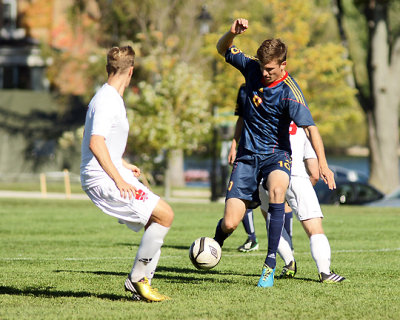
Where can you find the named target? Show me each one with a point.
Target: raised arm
(225, 42)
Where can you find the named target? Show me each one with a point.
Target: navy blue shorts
(248, 170)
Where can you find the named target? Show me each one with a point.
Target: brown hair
(272, 49)
(120, 59)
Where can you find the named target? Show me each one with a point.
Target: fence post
(43, 187)
(67, 184)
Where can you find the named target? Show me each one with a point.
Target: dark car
(352, 188)
(391, 200)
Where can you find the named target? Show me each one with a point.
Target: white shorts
(300, 196)
(135, 212)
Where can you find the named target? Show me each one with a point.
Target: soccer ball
(205, 253)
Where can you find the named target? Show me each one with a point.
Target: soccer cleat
(330, 278)
(129, 287)
(142, 290)
(288, 271)
(267, 277)
(249, 245)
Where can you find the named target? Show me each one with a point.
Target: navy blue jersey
(267, 110)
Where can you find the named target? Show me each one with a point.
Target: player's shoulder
(292, 91)
(233, 50)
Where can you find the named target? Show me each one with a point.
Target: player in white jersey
(303, 200)
(111, 182)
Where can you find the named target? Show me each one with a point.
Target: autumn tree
(371, 31)
(316, 58)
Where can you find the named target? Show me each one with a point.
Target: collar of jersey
(273, 84)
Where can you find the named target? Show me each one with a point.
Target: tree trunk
(176, 169)
(383, 121)
(381, 102)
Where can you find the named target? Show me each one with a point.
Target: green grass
(65, 259)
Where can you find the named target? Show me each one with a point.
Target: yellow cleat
(144, 289)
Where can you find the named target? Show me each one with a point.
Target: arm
(225, 42)
(324, 171)
(99, 149)
(312, 168)
(235, 141)
(135, 170)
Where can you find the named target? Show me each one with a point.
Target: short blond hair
(120, 59)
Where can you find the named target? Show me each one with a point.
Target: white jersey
(301, 150)
(106, 117)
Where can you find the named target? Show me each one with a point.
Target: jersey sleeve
(297, 105)
(102, 118)
(238, 59)
(240, 101)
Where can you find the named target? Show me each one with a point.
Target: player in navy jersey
(273, 100)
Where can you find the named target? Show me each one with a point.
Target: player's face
(273, 71)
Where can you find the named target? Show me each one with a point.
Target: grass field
(65, 259)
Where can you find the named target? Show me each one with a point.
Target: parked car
(390, 200)
(352, 188)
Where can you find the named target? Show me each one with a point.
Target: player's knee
(162, 214)
(277, 194)
(229, 226)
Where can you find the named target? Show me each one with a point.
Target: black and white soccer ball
(205, 253)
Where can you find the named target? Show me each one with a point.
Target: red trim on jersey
(297, 102)
(273, 84)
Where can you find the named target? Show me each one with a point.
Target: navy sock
(220, 236)
(248, 224)
(277, 212)
(289, 225)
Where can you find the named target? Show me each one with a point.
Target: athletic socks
(220, 236)
(321, 252)
(152, 240)
(276, 221)
(284, 248)
(248, 223)
(151, 267)
(288, 226)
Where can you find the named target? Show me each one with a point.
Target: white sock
(321, 252)
(151, 267)
(284, 248)
(152, 240)
(285, 245)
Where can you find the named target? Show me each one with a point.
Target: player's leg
(276, 184)
(304, 202)
(233, 215)
(251, 243)
(320, 250)
(284, 251)
(288, 226)
(241, 191)
(149, 249)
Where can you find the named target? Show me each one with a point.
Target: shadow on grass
(185, 275)
(48, 293)
(165, 246)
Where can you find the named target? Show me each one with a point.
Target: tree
(376, 56)
(170, 114)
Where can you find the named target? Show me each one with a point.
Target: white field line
(179, 256)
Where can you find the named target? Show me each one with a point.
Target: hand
(126, 189)
(328, 176)
(232, 156)
(239, 26)
(135, 170)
